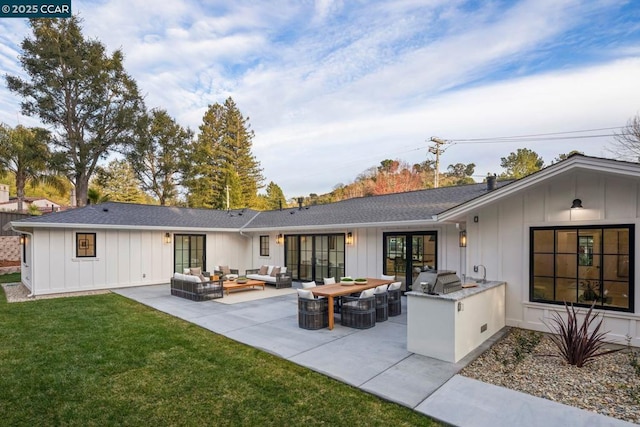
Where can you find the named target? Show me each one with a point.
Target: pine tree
(275, 197)
(220, 161)
(118, 183)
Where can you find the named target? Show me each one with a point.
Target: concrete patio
(375, 360)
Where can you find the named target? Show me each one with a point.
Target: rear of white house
(526, 233)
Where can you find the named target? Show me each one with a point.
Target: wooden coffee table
(229, 285)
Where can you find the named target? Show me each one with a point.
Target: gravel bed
(17, 292)
(608, 385)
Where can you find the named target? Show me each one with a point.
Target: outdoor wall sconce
(576, 204)
(167, 238)
(463, 238)
(22, 239)
(279, 239)
(349, 238)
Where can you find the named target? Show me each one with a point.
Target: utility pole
(437, 151)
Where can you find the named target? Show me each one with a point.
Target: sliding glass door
(405, 254)
(315, 256)
(189, 251)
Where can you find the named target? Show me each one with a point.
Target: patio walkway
(375, 360)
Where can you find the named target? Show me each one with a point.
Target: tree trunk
(82, 190)
(20, 184)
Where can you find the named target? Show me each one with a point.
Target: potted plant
(360, 281)
(347, 281)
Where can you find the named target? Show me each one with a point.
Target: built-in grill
(437, 282)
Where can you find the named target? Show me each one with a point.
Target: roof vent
(300, 200)
(491, 182)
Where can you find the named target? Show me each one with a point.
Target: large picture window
(583, 265)
(85, 245)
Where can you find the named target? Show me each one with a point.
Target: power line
(536, 135)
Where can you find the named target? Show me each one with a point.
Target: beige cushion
(263, 269)
(380, 289)
(196, 271)
(303, 293)
(203, 278)
(367, 293)
(395, 286)
(275, 271)
(329, 280)
(225, 269)
(307, 285)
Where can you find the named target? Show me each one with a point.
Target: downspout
(33, 281)
(248, 237)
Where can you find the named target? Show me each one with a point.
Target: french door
(405, 254)
(189, 251)
(314, 256)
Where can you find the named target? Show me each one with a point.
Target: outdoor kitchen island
(449, 326)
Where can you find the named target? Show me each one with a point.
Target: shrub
(576, 344)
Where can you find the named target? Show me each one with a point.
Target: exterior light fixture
(22, 239)
(167, 238)
(576, 204)
(279, 239)
(463, 238)
(349, 238)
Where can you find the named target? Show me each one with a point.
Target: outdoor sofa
(271, 274)
(194, 288)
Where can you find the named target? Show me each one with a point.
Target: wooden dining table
(338, 290)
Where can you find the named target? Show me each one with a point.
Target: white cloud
(334, 87)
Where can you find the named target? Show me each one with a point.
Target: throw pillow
(367, 293)
(196, 271)
(203, 278)
(308, 285)
(186, 271)
(225, 269)
(275, 271)
(263, 270)
(303, 293)
(283, 270)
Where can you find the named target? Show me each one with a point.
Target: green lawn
(105, 360)
(10, 278)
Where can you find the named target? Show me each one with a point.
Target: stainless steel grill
(437, 282)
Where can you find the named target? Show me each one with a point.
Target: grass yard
(106, 360)
(10, 278)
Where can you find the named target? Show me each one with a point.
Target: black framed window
(264, 245)
(583, 265)
(189, 251)
(85, 245)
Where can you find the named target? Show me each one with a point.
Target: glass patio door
(315, 256)
(189, 251)
(405, 254)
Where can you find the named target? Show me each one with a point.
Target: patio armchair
(224, 272)
(382, 303)
(313, 313)
(394, 294)
(359, 312)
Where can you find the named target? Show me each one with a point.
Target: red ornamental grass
(576, 344)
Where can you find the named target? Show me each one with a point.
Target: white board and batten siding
(500, 239)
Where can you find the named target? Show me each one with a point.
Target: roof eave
(576, 162)
(25, 225)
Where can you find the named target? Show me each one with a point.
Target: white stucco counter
(450, 326)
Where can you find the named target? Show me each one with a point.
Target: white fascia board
(341, 226)
(575, 163)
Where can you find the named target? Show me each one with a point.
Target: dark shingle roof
(399, 207)
(128, 214)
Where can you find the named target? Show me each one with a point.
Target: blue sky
(334, 87)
